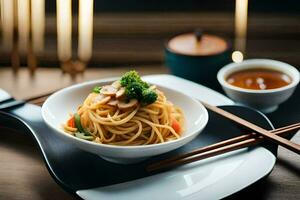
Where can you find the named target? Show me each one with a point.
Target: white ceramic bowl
(56, 108)
(263, 100)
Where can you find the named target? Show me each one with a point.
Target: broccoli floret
(149, 96)
(134, 90)
(129, 77)
(132, 77)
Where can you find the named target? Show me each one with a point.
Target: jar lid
(197, 44)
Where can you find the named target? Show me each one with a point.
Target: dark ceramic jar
(197, 57)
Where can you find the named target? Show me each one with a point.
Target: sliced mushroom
(126, 105)
(116, 84)
(101, 99)
(108, 90)
(113, 102)
(120, 93)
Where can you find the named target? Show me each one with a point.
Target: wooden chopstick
(39, 101)
(218, 148)
(267, 134)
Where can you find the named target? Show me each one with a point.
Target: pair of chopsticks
(265, 133)
(222, 147)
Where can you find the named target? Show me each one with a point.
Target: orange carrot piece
(176, 126)
(71, 122)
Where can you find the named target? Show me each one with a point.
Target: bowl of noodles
(124, 120)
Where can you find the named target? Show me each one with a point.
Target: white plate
(214, 178)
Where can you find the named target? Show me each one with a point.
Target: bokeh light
(237, 56)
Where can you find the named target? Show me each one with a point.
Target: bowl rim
(133, 147)
(252, 63)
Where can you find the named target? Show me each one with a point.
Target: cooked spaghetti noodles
(109, 117)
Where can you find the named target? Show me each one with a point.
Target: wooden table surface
(23, 174)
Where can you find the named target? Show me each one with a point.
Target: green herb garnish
(97, 89)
